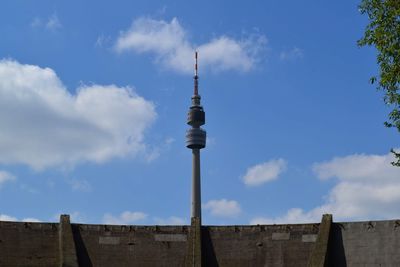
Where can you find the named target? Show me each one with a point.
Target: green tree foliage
(383, 32)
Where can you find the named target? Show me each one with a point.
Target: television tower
(196, 140)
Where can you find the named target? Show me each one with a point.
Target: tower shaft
(196, 187)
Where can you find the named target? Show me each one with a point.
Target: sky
(94, 97)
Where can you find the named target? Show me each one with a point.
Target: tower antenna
(196, 76)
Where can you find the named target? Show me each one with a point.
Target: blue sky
(94, 96)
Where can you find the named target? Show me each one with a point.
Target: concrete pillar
(319, 256)
(68, 256)
(196, 189)
(194, 254)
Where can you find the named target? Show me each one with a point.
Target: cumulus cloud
(169, 42)
(126, 217)
(223, 208)
(6, 177)
(44, 125)
(137, 217)
(4, 217)
(264, 172)
(173, 220)
(368, 187)
(31, 220)
(294, 215)
(359, 167)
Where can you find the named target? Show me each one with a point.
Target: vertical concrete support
(68, 257)
(193, 258)
(196, 189)
(319, 256)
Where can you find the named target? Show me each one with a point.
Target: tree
(383, 32)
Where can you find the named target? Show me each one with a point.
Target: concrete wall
(350, 244)
(277, 245)
(375, 243)
(271, 245)
(38, 244)
(28, 244)
(104, 245)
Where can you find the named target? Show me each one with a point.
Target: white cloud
(173, 220)
(6, 177)
(129, 217)
(44, 125)
(359, 167)
(294, 215)
(126, 217)
(292, 54)
(264, 172)
(169, 42)
(368, 188)
(4, 217)
(30, 220)
(223, 208)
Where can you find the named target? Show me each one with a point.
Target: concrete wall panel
(375, 243)
(29, 244)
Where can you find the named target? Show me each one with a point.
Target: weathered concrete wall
(104, 245)
(375, 243)
(265, 245)
(277, 245)
(37, 244)
(29, 244)
(48, 244)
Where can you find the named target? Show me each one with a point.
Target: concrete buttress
(68, 256)
(319, 255)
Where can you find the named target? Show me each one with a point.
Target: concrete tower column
(196, 187)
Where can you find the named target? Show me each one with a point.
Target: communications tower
(196, 140)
